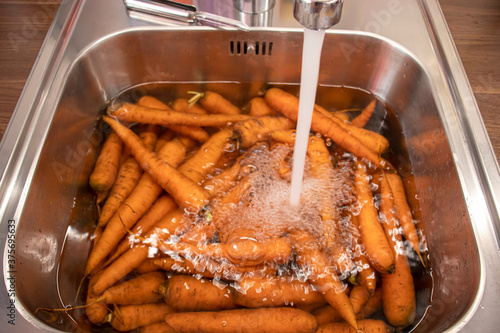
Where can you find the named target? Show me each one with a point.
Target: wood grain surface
(474, 25)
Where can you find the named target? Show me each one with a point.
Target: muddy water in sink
(272, 159)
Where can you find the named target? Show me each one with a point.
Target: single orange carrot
(366, 275)
(95, 310)
(258, 107)
(182, 104)
(266, 320)
(377, 247)
(362, 119)
(139, 114)
(214, 102)
(256, 292)
(185, 293)
(104, 174)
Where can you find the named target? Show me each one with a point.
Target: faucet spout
(317, 14)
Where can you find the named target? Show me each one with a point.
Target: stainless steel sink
(400, 52)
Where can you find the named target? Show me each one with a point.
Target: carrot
(373, 305)
(257, 129)
(130, 317)
(127, 177)
(259, 108)
(182, 104)
(186, 193)
(222, 182)
(366, 274)
(365, 326)
(321, 276)
(104, 174)
(157, 328)
(288, 105)
(201, 164)
(404, 212)
(283, 136)
(267, 320)
(95, 310)
(136, 205)
(185, 293)
(147, 266)
(362, 119)
(243, 253)
(398, 290)
(141, 289)
(372, 233)
(254, 292)
(359, 298)
(214, 102)
(139, 114)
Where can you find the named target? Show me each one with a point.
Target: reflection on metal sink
(55, 154)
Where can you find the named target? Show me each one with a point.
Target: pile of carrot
(172, 252)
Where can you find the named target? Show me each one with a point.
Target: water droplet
(224, 323)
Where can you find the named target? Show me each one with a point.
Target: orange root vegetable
(147, 266)
(258, 107)
(359, 298)
(288, 105)
(267, 320)
(404, 212)
(214, 103)
(157, 328)
(373, 305)
(130, 317)
(126, 179)
(139, 114)
(243, 252)
(104, 174)
(95, 310)
(182, 104)
(365, 326)
(139, 290)
(254, 130)
(398, 290)
(222, 182)
(326, 314)
(136, 205)
(201, 164)
(283, 136)
(362, 119)
(185, 192)
(366, 276)
(193, 132)
(377, 247)
(275, 292)
(185, 293)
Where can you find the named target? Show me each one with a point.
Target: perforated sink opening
(264, 48)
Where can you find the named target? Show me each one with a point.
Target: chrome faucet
(317, 14)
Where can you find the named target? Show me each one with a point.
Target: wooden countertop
(475, 27)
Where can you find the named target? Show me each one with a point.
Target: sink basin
(49, 148)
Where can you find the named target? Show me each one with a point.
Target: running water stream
(311, 56)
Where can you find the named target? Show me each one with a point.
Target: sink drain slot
(250, 47)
